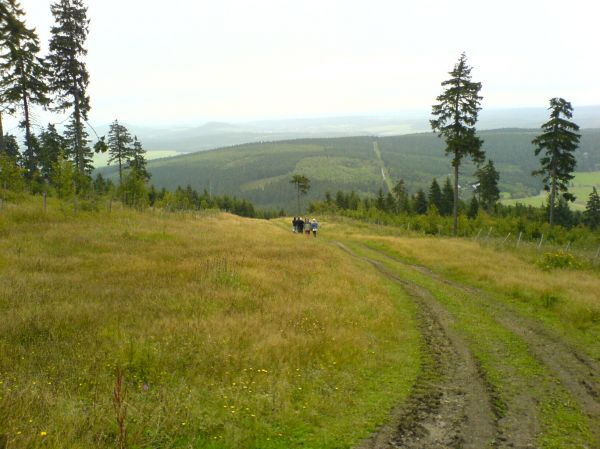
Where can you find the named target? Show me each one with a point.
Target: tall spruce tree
(302, 184)
(138, 160)
(558, 142)
(435, 195)
(23, 74)
(455, 119)
(592, 210)
(488, 190)
(119, 141)
(69, 78)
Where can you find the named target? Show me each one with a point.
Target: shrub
(559, 259)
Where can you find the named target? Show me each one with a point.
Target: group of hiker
(304, 225)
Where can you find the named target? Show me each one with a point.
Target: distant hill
(187, 139)
(261, 172)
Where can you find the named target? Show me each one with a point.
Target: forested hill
(261, 172)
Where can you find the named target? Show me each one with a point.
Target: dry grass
(567, 299)
(231, 333)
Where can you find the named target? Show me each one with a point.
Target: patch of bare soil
(450, 406)
(578, 373)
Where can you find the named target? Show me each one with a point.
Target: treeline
(431, 213)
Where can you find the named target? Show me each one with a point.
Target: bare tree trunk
(552, 198)
(2, 149)
(455, 206)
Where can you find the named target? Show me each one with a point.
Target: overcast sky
(164, 62)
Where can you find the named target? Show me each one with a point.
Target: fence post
(568, 247)
(597, 254)
(44, 200)
(519, 239)
(478, 234)
(541, 241)
(506, 238)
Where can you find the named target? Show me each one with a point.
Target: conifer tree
(69, 76)
(302, 184)
(380, 201)
(401, 196)
(558, 142)
(23, 74)
(435, 195)
(473, 208)
(455, 119)
(488, 190)
(52, 144)
(592, 210)
(420, 202)
(138, 160)
(119, 141)
(447, 205)
(11, 147)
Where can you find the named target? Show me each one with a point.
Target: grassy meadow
(229, 333)
(581, 187)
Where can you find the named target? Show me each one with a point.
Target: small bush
(561, 260)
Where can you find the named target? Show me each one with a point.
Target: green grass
(581, 187)
(226, 340)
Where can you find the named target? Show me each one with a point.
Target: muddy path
(577, 372)
(450, 405)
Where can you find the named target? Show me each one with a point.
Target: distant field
(581, 187)
(101, 160)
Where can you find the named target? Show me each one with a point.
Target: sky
(182, 61)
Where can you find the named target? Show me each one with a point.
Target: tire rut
(577, 372)
(450, 405)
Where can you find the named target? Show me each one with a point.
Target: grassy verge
(230, 333)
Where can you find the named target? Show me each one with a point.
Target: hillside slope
(261, 172)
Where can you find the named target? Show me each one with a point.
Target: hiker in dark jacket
(300, 225)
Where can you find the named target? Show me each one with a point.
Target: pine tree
(456, 116)
(473, 208)
(23, 74)
(380, 201)
(558, 142)
(11, 147)
(69, 76)
(119, 141)
(420, 202)
(138, 160)
(447, 204)
(401, 196)
(52, 144)
(435, 195)
(488, 190)
(592, 210)
(302, 184)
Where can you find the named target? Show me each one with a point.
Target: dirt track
(452, 405)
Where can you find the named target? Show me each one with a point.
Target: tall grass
(227, 332)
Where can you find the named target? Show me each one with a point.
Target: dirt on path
(578, 373)
(450, 406)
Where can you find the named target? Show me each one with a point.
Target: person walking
(300, 225)
(314, 224)
(307, 227)
(295, 224)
